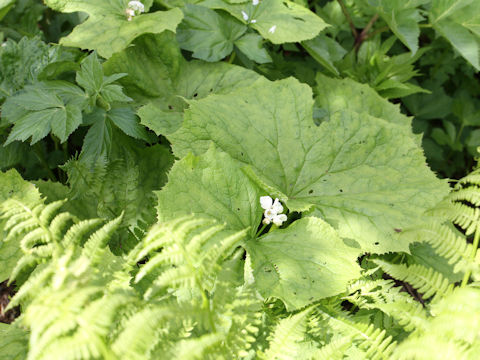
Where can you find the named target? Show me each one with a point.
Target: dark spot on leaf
(294, 293)
(211, 90)
(170, 107)
(397, 230)
(313, 281)
(238, 209)
(311, 298)
(195, 95)
(241, 154)
(299, 19)
(310, 192)
(377, 243)
(341, 190)
(304, 277)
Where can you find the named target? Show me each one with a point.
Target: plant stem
(364, 34)
(232, 57)
(261, 230)
(349, 19)
(376, 32)
(472, 255)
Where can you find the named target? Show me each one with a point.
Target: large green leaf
(13, 342)
(13, 187)
(459, 22)
(175, 79)
(211, 185)
(366, 176)
(276, 20)
(303, 263)
(210, 35)
(107, 29)
(337, 95)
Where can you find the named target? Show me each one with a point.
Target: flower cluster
(273, 211)
(134, 8)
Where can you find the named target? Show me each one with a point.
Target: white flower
(272, 29)
(253, 21)
(136, 6)
(272, 211)
(245, 15)
(255, 2)
(130, 14)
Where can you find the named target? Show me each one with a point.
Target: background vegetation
(137, 144)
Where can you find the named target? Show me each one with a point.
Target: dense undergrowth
(225, 179)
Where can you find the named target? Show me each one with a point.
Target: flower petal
(279, 219)
(267, 221)
(277, 207)
(266, 202)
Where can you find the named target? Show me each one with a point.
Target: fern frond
(283, 344)
(238, 311)
(37, 227)
(332, 351)
(98, 241)
(142, 332)
(184, 251)
(375, 342)
(196, 349)
(431, 348)
(426, 280)
(31, 287)
(384, 295)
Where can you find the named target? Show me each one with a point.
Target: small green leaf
(90, 76)
(210, 35)
(326, 51)
(98, 86)
(457, 21)
(402, 18)
(251, 45)
(36, 112)
(126, 120)
(306, 262)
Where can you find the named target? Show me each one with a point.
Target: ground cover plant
(229, 179)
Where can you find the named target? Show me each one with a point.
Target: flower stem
(261, 230)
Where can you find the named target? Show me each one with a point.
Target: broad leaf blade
(364, 175)
(306, 262)
(208, 34)
(211, 185)
(276, 20)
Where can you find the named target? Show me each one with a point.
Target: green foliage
(239, 179)
(108, 29)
